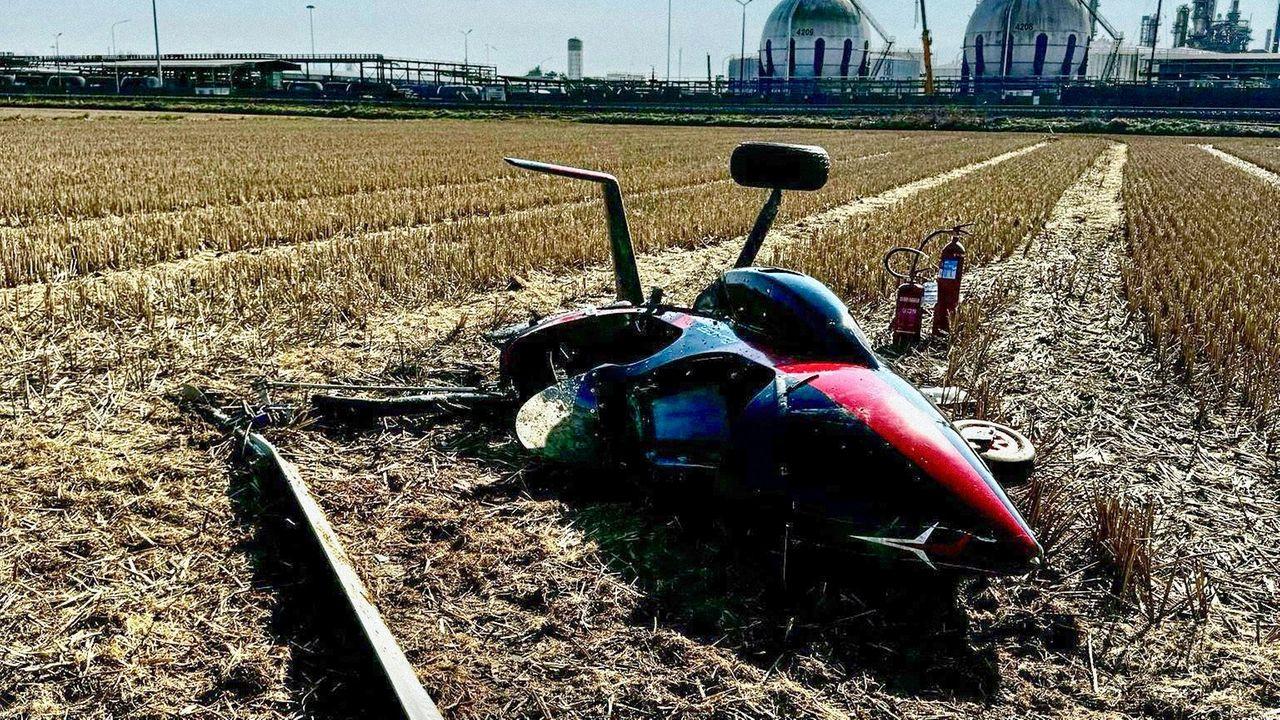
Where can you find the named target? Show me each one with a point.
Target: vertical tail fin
(625, 271)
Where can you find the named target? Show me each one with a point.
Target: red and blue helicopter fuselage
(768, 385)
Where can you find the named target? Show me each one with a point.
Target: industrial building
(1012, 39)
(1142, 63)
(809, 51)
(574, 67)
(1199, 26)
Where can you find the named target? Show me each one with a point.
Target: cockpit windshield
(789, 311)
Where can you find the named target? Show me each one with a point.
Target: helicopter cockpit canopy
(790, 312)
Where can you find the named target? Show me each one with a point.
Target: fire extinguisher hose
(915, 262)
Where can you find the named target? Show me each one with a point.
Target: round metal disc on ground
(1008, 453)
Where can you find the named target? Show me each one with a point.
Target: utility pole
(466, 46)
(115, 51)
(742, 52)
(1275, 38)
(155, 25)
(927, 39)
(311, 18)
(1155, 40)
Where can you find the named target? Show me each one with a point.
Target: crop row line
(313, 285)
(28, 258)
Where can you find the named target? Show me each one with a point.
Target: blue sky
(621, 35)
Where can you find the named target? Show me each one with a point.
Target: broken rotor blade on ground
(414, 701)
(362, 408)
(340, 387)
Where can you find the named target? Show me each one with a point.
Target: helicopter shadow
(726, 573)
(738, 576)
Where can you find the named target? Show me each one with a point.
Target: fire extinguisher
(950, 275)
(908, 314)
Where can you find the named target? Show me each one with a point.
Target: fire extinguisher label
(930, 294)
(950, 269)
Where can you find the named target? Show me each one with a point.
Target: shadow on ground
(718, 572)
(331, 673)
(731, 575)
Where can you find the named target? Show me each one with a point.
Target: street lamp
(742, 53)
(311, 18)
(487, 58)
(115, 51)
(57, 57)
(466, 46)
(114, 25)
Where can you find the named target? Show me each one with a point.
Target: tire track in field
(1076, 365)
(209, 258)
(1257, 171)
(108, 224)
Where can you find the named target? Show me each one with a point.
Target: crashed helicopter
(766, 386)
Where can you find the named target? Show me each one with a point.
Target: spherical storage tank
(1026, 39)
(815, 38)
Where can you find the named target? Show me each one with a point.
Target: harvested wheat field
(1119, 309)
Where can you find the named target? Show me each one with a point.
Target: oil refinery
(828, 52)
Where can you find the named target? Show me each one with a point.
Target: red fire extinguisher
(908, 315)
(950, 275)
(907, 318)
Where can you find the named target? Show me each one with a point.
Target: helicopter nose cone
(1018, 557)
(1013, 550)
(958, 494)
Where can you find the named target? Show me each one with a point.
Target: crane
(874, 23)
(1117, 37)
(927, 41)
(1097, 17)
(884, 35)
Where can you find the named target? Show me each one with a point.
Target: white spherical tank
(1026, 39)
(815, 39)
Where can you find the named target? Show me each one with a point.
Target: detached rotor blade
(366, 408)
(594, 176)
(413, 701)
